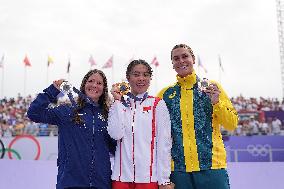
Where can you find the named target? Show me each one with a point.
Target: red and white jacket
(143, 152)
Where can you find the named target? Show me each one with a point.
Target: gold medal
(124, 88)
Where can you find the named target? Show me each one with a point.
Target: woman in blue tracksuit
(83, 141)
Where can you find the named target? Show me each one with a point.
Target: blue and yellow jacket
(195, 123)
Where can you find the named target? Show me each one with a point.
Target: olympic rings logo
(259, 150)
(10, 150)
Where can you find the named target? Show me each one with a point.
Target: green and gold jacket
(195, 125)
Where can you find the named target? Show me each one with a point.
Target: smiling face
(94, 87)
(183, 61)
(139, 79)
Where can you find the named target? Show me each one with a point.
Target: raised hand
(116, 92)
(57, 83)
(213, 91)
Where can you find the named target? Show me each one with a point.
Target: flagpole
(156, 90)
(69, 63)
(112, 75)
(2, 79)
(198, 72)
(25, 78)
(156, 64)
(198, 65)
(219, 58)
(90, 63)
(47, 75)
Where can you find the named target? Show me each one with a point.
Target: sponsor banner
(239, 148)
(27, 147)
(254, 148)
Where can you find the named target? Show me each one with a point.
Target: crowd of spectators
(257, 104)
(252, 126)
(13, 120)
(255, 124)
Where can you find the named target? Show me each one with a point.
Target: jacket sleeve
(111, 144)
(39, 111)
(116, 121)
(164, 143)
(224, 112)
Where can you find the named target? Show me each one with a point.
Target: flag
(220, 64)
(108, 64)
(199, 64)
(155, 62)
(92, 61)
(2, 62)
(49, 61)
(27, 61)
(68, 66)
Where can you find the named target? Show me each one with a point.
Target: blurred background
(240, 44)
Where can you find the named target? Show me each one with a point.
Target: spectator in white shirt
(276, 126)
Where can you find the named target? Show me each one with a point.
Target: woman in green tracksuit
(197, 113)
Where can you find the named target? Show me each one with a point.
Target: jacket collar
(187, 81)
